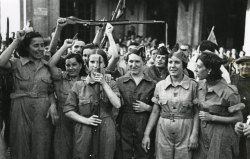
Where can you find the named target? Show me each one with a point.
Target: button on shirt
(176, 99)
(218, 98)
(130, 92)
(83, 98)
(30, 80)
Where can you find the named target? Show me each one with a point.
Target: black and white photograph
(124, 79)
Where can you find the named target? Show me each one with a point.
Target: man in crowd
(159, 70)
(242, 81)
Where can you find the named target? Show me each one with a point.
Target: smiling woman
(175, 110)
(32, 97)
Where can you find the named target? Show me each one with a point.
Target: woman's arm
(93, 120)
(113, 51)
(61, 22)
(113, 98)
(6, 55)
(236, 117)
(56, 57)
(152, 119)
(151, 123)
(52, 112)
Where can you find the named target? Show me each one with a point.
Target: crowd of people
(135, 99)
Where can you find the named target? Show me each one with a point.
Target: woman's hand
(109, 29)
(205, 116)
(98, 77)
(20, 35)
(94, 120)
(139, 106)
(239, 126)
(52, 112)
(146, 143)
(246, 130)
(68, 43)
(61, 22)
(193, 142)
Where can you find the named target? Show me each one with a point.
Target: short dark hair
(139, 50)
(213, 62)
(164, 51)
(24, 44)
(79, 60)
(208, 45)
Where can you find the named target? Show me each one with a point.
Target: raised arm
(61, 22)
(6, 55)
(113, 51)
(56, 57)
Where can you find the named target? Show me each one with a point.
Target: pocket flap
(18, 76)
(47, 80)
(84, 101)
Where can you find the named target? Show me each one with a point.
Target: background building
(188, 21)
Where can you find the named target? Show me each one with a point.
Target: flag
(121, 9)
(212, 37)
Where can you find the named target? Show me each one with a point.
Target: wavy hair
(23, 46)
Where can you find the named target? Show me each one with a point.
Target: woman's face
(160, 61)
(175, 67)
(36, 48)
(96, 62)
(73, 67)
(201, 70)
(135, 64)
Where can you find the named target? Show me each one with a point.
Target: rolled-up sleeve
(114, 88)
(155, 98)
(57, 75)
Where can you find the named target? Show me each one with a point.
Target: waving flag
(212, 37)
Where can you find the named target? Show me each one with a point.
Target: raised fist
(20, 34)
(109, 28)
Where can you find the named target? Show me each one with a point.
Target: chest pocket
(21, 82)
(86, 107)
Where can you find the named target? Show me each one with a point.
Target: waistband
(173, 116)
(21, 93)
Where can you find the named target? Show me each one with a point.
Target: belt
(21, 93)
(173, 116)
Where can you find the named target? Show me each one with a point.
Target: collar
(218, 88)
(128, 77)
(25, 60)
(184, 83)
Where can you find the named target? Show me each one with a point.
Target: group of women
(194, 119)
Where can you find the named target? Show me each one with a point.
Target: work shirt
(175, 124)
(30, 130)
(176, 99)
(130, 92)
(30, 80)
(63, 85)
(217, 140)
(154, 73)
(133, 124)
(83, 98)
